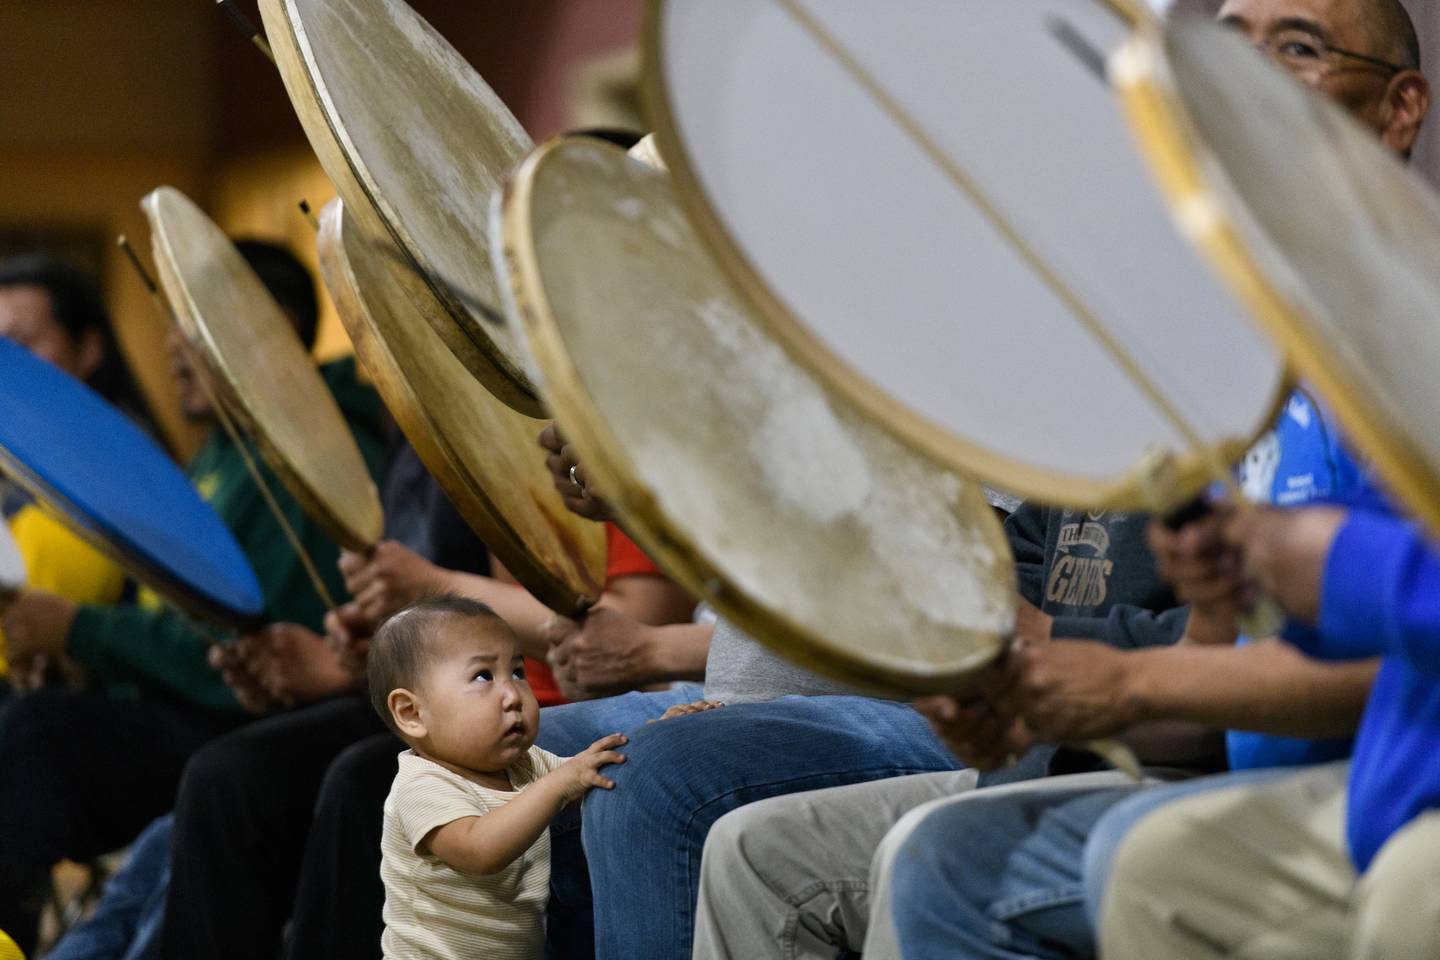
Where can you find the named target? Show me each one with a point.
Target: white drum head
(261, 371)
(12, 565)
(954, 312)
(1334, 241)
(788, 509)
(415, 142)
(484, 454)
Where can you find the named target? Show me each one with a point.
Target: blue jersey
(1301, 461)
(1381, 597)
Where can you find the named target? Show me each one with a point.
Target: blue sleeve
(1381, 594)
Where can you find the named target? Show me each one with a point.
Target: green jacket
(149, 648)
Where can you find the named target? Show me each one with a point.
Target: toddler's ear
(405, 709)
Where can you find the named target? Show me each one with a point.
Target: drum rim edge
(191, 602)
(469, 497)
(661, 537)
(1191, 469)
(227, 393)
(1191, 178)
(483, 359)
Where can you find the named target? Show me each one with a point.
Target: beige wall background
(104, 100)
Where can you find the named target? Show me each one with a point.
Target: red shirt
(622, 559)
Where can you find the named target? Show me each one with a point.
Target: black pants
(242, 818)
(80, 776)
(340, 897)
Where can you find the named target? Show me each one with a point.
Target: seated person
(83, 771)
(1335, 861)
(1001, 874)
(1089, 576)
(57, 312)
(466, 851)
(281, 820)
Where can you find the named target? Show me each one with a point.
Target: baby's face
(477, 704)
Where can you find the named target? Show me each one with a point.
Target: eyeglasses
(1307, 55)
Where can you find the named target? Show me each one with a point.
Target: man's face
(194, 400)
(476, 703)
(27, 318)
(1297, 34)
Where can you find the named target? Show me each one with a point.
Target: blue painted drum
(118, 489)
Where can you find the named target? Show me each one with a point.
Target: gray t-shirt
(740, 670)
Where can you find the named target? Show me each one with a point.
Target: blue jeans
(566, 730)
(1110, 832)
(998, 873)
(127, 923)
(643, 840)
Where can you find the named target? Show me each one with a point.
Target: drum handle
(245, 26)
(251, 467)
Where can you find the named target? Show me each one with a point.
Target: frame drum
(1334, 244)
(958, 234)
(261, 371)
(415, 143)
(484, 454)
(116, 489)
(788, 509)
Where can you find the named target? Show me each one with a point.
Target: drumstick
(1265, 618)
(311, 573)
(309, 214)
(252, 33)
(369, 552)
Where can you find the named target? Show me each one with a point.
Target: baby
(466, 847)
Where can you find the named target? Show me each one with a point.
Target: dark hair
(1395, 29)
(402, 647)
(78, 306)
(288, 281)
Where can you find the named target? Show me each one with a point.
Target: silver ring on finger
(576, 480)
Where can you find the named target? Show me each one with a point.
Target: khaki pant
(792, 876)
(1262, 872)
(807, 875)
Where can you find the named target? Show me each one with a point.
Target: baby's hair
(404, 644)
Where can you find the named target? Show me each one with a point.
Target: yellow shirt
(59, 561)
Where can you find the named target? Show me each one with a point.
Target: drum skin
(415, 143)
(787, 508)
(957, 274)
(263, 374)
(118, 490)
(1331, 240)
(484, 454)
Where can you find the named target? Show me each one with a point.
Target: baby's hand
(581, 772)
(685, 709)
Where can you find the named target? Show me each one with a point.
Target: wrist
(557, 787)
(1141, 676)
(1212, 623)
(658, 660)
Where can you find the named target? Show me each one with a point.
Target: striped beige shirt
(433, 911)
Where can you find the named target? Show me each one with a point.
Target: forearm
(1264, 687)
(679, 652)
(486, 845)
(161, 648)
(649, 599)
(525, 615)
